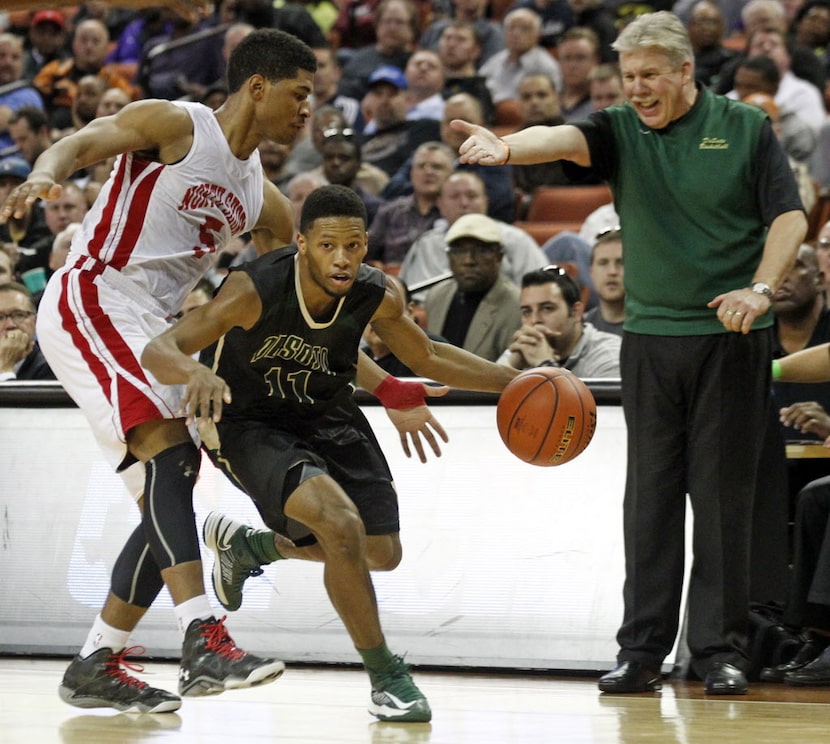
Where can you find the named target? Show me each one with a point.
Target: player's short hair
(269, 52)
(331, 201)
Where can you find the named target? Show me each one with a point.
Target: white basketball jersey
(160, 226)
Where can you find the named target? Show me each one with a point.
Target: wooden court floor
(327, 705)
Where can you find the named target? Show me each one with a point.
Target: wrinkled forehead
(645, 59)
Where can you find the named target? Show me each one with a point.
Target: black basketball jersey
(289, 362)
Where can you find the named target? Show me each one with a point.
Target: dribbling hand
(414, 423)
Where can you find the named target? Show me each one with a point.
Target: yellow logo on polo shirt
(713, 143)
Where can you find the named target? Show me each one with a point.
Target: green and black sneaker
(395, 696)
(235, 561)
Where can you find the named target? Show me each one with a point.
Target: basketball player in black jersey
(286, 427)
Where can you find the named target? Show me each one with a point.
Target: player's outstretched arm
(275, 227)
(441, 362)
(144, 125)
(169, 357)
(405, 404)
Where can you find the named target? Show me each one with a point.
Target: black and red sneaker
(211, 662)
(101, 681)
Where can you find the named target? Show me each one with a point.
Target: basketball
(546, 416)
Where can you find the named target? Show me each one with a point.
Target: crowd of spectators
(391, 76)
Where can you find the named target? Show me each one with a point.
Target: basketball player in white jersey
(186, 180)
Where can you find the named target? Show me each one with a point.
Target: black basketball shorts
(257, 456)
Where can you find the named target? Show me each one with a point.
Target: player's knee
(168, 521)
(384, 552)
(322, 506)
(342, 534)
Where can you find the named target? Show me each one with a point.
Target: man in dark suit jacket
(20, 356)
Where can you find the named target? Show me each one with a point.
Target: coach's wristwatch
(763, 288)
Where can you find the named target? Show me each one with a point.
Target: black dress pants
(695, 409)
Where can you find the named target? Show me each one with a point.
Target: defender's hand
(204, 396)
(20, 199)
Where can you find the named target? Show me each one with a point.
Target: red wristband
(399, 395)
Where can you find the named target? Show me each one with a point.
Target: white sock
(196, 608)
(102, 635)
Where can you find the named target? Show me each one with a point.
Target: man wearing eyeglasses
(712, 223)
(20, 356)
(478, 308)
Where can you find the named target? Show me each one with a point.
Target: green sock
(261, 543)
(376, 659)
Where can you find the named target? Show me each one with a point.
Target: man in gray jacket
(478, 308)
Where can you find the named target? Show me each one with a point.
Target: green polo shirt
(694, 200)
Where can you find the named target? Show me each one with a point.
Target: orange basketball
(546, 416)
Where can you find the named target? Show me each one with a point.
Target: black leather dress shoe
(817, 672)
(725, 679)
(811, 648)
(631, 676)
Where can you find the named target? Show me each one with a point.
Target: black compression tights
(136, 578)
(167, 535)
(169, 523)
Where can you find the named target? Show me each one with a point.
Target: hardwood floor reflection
(327, 705)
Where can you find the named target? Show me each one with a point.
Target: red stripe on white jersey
(79, 341)
(102, 228)
(119, 374)
(122, 218)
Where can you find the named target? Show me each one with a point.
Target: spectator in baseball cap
(47, 41)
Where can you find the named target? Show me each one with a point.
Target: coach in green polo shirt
(712, 221)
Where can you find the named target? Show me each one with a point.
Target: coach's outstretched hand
(481, 146)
